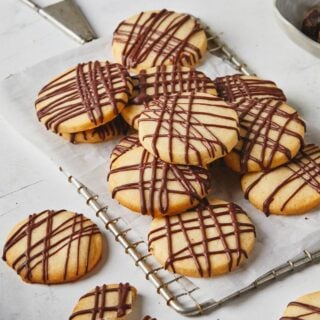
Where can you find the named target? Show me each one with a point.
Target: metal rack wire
(178, 291)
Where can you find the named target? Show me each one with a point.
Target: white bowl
(289, 14)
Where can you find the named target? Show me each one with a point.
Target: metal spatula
(68, 17)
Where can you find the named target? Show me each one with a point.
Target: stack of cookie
(182, 124)
(185, 122)
(280, 172)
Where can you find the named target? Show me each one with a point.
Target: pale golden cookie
(304, 308)
(293, 188)
(53, 247)
(84, 97)
(271, 134)
(163, 80)
(188, 128)
(125, 144)
(236, 87)
(145, 184)
(102, 133)
(155, 38)
(212, 239)
(108, 302)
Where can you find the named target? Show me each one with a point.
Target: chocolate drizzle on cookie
(84, 90)
(166, 80)
(223, 218)
(308, 311)
(155, 183)
(260, 128)
(177, 118)
(125, 144)
(106, 131)
(58, 236)
(304, 167)
(235, 87)
(149, 37)
(101, 304)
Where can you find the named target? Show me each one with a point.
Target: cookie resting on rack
(145, 184)
(271, 134)
(189, 128)
(293, 188)
(125, 144)
(84, 97)
(155, 38)
(102, 133)
(210, 240)
(112, 301)
(53, 247)
(236, 87)
(304, 308)
(163, 80)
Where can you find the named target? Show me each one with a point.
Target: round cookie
(188, 128)
(84, 97)
(163, 80)
(145, 184)
(210, 240)
(102, 133)
(53, 247)
(155, 38)
(236, 87)
(125, 144)
(293, 188)
(271, 134)
(304, 308)
(112, 301)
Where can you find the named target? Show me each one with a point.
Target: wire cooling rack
(179, 292)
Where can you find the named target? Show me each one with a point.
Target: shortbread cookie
(304, 308)
(188, 128)
(236, 87)
(145, 184)
(109, 302)
(53, 247)
(271, 134)
(84, 97)
(212, 239)
(163, 80)
(125, 144)
(293, 188)
(157, 38)
(102, 133)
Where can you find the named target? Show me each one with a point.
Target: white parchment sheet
(278, 238)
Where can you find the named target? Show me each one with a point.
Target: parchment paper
(278, 238)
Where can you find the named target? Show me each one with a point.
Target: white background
(29, 182)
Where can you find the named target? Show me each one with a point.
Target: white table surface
(30, 183)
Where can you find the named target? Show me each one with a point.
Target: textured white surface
(30, 183)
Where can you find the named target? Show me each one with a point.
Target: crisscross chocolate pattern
(143, 37)
(57, 237)
(101, 305)
(235, 87)
(176, 118)
(304, 167)
(125, 144)
(257, 119)
(91, 87)
(111, 129)
(307, 312)
(167, 80)
(204, 218)
(155, 191)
